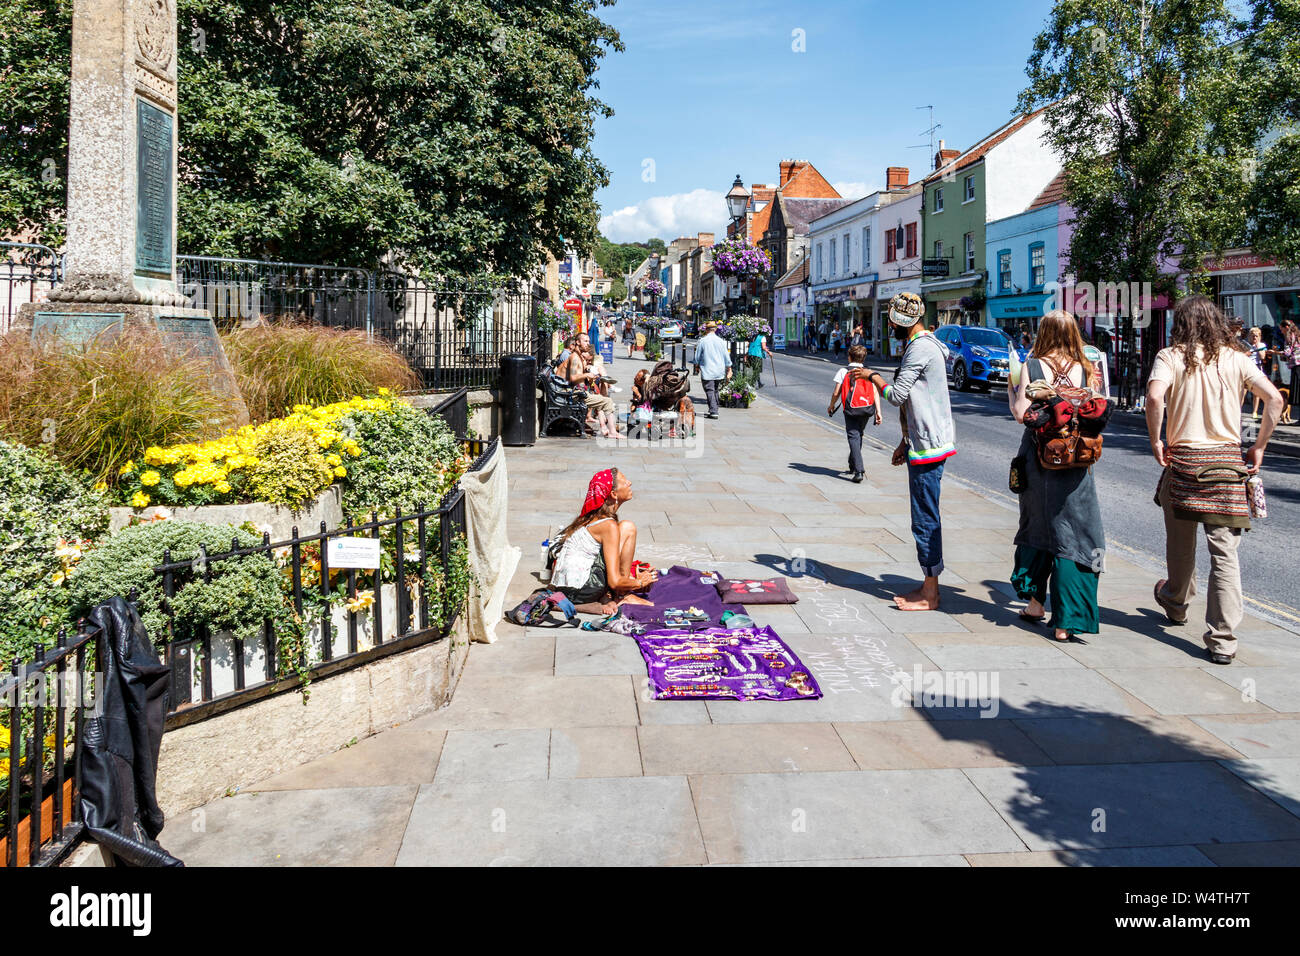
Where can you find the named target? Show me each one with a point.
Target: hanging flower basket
(736, 257)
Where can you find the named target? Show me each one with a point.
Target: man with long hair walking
(1195, 391)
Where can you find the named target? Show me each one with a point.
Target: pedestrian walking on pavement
(837, 339)
(1060, 545)
(629, 335)
(712, 364)
(861, 405)
(823, 333)
(758, 352)
(921, 389)
(1195, 390)
(810, 336)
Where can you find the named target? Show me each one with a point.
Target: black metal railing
(27, 271)
(48, 698)
(420, 548)
(453, 334)
(40, 774)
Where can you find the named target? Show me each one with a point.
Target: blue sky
(706, 90)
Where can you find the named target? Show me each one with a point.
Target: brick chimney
(944, 156)
(896, 178)
(706, 239)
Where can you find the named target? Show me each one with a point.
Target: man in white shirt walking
(712, 364)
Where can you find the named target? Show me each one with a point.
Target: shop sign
(1244, 260)
(934, 268)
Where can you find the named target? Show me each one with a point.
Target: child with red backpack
(861, 405)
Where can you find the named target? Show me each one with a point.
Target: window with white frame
(970, 252)
(938, 199)
(938, 248)
(820, 273)
(848, 263)
(1037, 265)
(970, 189)
(866, 248)
(832, 257)
(1004, 270)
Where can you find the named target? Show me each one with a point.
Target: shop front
(943, 300)
(845, 308)
(882, 341)
(1257, 292)
(1018, 315)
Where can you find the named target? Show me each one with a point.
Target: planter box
(734, 402)
(280, 521)
(47, 826)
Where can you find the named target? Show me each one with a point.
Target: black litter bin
(518, 399)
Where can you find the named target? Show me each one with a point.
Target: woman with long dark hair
(596, 552)
(1061, 544)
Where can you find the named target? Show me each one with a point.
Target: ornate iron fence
(27, 271)
(453, 335)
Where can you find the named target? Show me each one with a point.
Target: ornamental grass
(281, 366)
(95, 406)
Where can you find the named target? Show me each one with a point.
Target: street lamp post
(737, 206)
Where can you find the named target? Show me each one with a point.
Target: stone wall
(204, 760)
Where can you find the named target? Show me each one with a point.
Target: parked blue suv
(977, 356)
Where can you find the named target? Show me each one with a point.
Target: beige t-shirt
(1204, 407)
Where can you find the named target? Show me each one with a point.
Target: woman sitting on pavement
(1061, 540)
(593, 567)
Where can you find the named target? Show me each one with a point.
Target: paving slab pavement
(1129, 750)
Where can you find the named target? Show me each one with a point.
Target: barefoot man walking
(921, 389)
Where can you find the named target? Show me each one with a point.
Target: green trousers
(1073, 588)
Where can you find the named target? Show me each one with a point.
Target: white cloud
(681, 214)
(855, 190)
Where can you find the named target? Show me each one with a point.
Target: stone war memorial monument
(120, 260)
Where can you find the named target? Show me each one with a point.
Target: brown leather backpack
(1067, 446)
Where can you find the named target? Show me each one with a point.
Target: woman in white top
(597, 550)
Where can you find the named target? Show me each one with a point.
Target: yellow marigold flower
(183, 478)
(333, 459)
(127, 468)
(340, 472)
(58, 577)
(150, 478)
(223, 487)
(139, 499)
(153, 455)
(101, 486)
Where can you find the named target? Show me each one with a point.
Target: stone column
(121, 246)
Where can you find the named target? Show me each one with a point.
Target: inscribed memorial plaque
(155, 190)
(193, 338)
(76, 328)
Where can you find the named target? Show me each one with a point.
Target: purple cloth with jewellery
(676, 595)
(744, 664)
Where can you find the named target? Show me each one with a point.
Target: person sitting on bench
(593, 567)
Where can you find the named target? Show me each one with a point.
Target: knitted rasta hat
(906, 309)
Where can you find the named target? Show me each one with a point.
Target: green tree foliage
(1270, 88)
(1138, 105)
(454, 134)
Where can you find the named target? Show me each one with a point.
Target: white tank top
(577, 555)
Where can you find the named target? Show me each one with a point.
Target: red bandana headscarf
(598, 491)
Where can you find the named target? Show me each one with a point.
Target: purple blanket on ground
(745, 664)
(675, 594)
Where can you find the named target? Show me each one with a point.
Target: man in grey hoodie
(921, 389)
